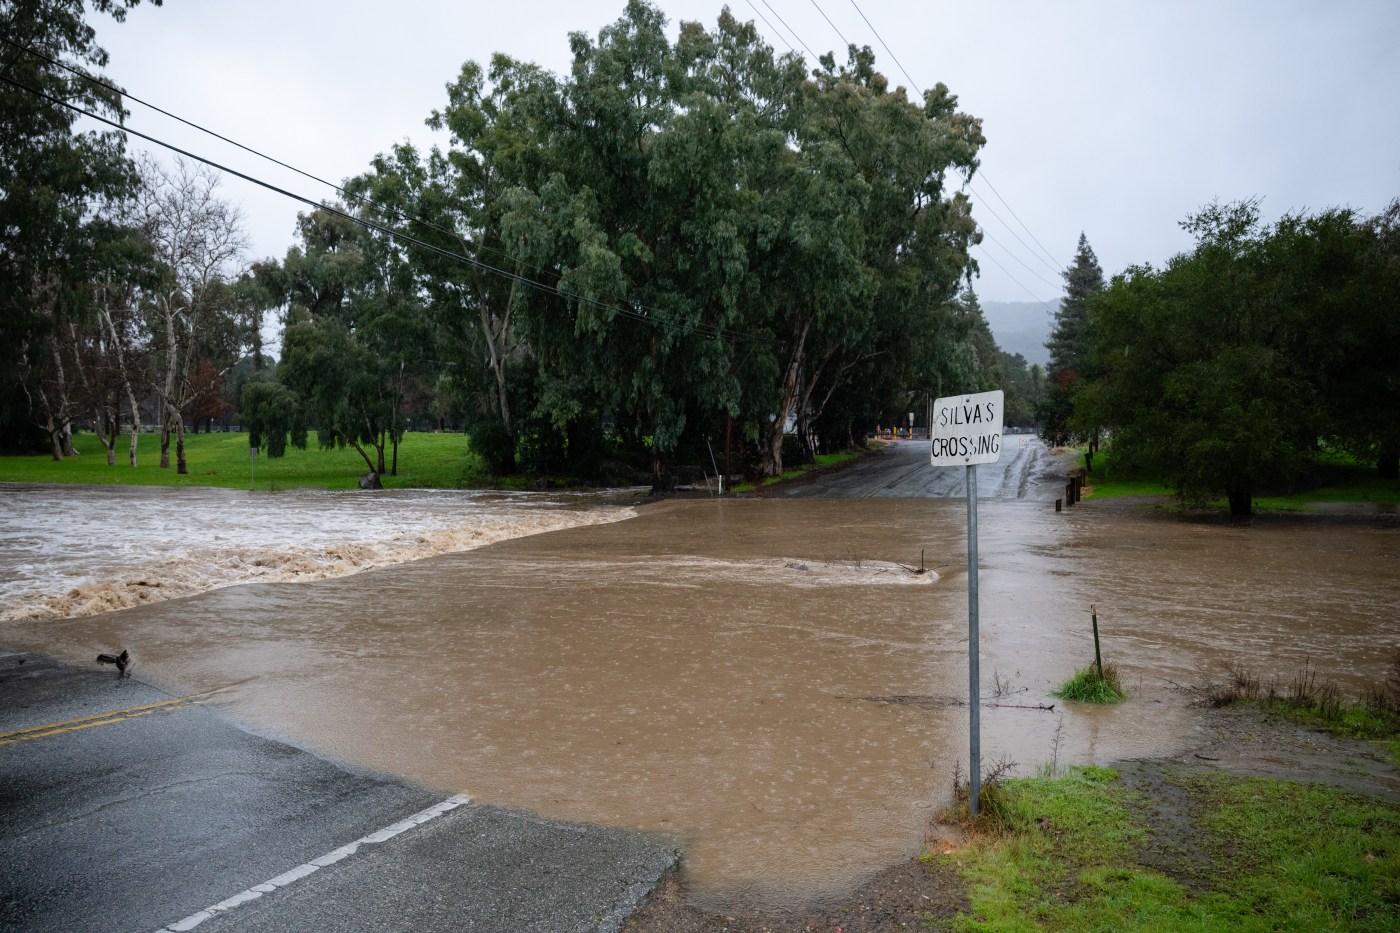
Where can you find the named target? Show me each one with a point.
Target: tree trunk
(126, 382)
(55, 438)
(1241, 500)
(180, 466)
(59, 420)
(165, 443)
(660, 474)
(1388, 463)
(772, 458)
(364, 456)
(106, 430)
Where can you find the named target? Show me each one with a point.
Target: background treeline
(1235, 367)
(677, 247)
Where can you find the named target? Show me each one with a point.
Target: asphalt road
(1027, 470)
(128, 809)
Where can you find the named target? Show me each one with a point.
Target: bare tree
(200, 239)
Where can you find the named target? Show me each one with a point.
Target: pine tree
(1069, 343)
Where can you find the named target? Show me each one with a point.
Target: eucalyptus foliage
(689, 236)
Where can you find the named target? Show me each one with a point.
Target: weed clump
(1313, 700)
(1088, 685)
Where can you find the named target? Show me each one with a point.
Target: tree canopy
(679, 240)
(1227, 369)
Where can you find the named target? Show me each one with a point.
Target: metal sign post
(966, 431)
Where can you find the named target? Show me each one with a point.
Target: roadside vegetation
(1316, 702)
(1218, 373)
(1071, 853)
(1163, 846)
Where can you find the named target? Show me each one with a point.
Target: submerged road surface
(129, 809)
(1027, 470)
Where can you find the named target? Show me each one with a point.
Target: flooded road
(720, 670)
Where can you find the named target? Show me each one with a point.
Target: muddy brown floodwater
(715, 670)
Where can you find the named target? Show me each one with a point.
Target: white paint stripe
(301, 871)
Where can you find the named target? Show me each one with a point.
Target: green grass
(1317, 703)
(823, 461)
(1339, 479)
(1086, 686)
(1064, 854)
(425, 460)
(1107, 483)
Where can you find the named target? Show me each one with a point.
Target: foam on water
(69, 551)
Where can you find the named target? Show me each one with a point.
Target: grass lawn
(1106, 483)
(1340, 479)
(425, 461)
(1065, 853)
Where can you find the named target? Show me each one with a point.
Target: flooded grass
(1088, 685)
(1065, 854)
(1315, 701)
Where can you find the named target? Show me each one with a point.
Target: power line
(833, 25)
(984, 175)
(712, 332)
(1058, 265)
(792, 48)
(1008, 252)
(912, 82)
(383, 209)
(1012, 230)
(1038, 300)
(815, 56)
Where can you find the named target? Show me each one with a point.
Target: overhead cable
(1012, 230)
(704, 330)
(833, 25)
(985, 177)
(383, 209)
(1029, 268)
(1038, 300)
(815, 56)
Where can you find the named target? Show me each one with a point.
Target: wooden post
(1098, 658)
(1058, 503)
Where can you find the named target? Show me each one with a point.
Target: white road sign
(967, 429)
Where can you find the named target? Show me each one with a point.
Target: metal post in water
(974, 696)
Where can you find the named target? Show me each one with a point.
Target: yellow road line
(98, 719)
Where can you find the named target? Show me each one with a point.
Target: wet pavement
(129, 809)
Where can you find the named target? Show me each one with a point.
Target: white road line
(301, 871)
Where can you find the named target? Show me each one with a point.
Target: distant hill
(1022, 327)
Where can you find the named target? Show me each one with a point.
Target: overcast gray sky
(1115, 118)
